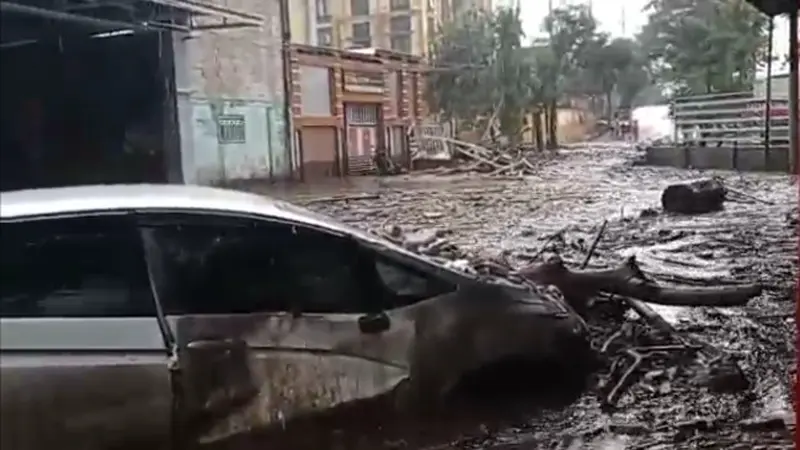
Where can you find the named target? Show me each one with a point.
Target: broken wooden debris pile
(644, 350)
(512, 160)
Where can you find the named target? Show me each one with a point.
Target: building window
(359, 7)
(315, 91)
(400, 5)
(401, 43)
(323, 11)
(400, 25)
(361, 35)
(325, 37)
(231, 130)
(400, 32)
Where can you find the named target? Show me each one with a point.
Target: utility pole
(794, 80)
(768, 104)
(622, 19)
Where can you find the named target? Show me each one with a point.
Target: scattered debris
(673, 375)
(501, 160)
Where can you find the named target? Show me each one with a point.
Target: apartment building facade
(347, 104)
(405, 26)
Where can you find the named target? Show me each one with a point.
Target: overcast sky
(620, 18)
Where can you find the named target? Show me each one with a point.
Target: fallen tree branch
(343, 198)
(593, 247)
(495, 161)
(629, 281)
(626, 379)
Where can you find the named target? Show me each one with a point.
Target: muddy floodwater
(752, 240)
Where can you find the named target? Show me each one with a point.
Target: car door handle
(212, 344)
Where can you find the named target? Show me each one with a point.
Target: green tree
(704, 46)
(481, 70)
(618, 67)
(563, 68)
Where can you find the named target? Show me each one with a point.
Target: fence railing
(422, 148)
(730, 119)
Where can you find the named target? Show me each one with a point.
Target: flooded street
(561, 208)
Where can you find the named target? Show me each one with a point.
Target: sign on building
(363, 82)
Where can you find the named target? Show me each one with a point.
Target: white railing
(430, 148)
(730, 119)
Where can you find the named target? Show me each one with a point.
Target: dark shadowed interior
(83, 102)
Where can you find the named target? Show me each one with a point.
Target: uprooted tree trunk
(628, 280)
(696, 197)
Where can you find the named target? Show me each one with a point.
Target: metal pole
(793, 88)
(6, 7)
(768, 106)
(288, 90)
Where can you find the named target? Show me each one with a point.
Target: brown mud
(674, 405)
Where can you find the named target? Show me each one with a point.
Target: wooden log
(578, 286)
(696, 197)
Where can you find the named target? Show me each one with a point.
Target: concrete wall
(780, 87)
(573, 126)
(723, 158)
(233, 73)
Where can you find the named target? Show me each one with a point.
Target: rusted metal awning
(775, 7)
(134, 15)
(224, 17)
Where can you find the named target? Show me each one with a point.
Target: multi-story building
(400, 25)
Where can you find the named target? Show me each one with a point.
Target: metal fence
(731, 119)
(430, 148)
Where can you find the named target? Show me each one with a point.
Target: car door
(82, 359)
(265, 317)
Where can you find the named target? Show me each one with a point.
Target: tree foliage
(704, 46)
(482, 71)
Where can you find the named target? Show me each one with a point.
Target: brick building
(345, 104)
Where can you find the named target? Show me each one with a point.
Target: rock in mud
(727, 377)
(696, 197)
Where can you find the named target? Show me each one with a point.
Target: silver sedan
(146, 315)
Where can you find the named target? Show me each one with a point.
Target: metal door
(242, 368)
(82, 356)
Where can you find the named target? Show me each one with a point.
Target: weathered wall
(780, 87)
(234, 76)
(574, 125)
(724, 158)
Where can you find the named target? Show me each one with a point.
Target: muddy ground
(573, 193)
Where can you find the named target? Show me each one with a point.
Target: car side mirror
(374, 323)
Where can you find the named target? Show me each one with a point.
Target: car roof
(120, 197)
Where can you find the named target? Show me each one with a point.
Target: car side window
(247, 266)
(406, 286)
(73, 267)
